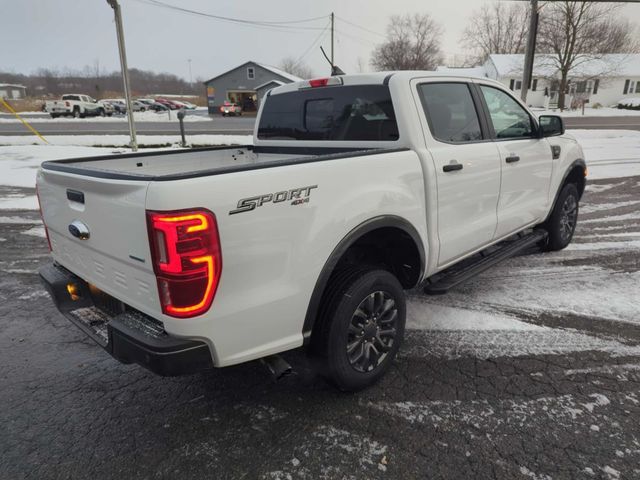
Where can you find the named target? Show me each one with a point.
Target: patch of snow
(613, 218)
(631, 244)
(29, 202)
(36, 232)
(18, 220)
(599, 207)
(612, 473)
(599, 401)
(610, 153)
(428, 316)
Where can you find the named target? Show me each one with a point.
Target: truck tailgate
(116, 256)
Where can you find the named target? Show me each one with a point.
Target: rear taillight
(187, 260)
(67, 104)
(46, 231)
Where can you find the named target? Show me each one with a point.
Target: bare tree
(296, 67)
(575, 33)
(496, 28)
(412, 43)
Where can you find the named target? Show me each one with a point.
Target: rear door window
(349, 113)
(451, 112)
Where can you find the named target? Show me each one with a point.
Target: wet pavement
(531, 370)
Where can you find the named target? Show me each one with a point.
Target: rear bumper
(129, 336)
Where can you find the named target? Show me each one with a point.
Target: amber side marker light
(586, 171)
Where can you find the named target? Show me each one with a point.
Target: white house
(604, 80)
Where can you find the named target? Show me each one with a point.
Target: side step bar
(442, 282)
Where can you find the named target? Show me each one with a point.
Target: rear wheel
(361, 327)
(563, 219)
(76, 113)
(101, 112)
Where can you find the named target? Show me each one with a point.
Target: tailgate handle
(75, 196)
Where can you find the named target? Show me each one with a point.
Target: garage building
(245, 85)
(12, 92)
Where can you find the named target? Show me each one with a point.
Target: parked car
(139, 106)
(108, 108)
(189, 105)
(354, 189)
(76, 105)
(118, 104)
(170, 104)
(228, 108)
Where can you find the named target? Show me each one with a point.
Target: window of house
(631, 85)
(450, 111)
(637, 87)
(512, 84)
(518, 84)
(251, 73)
(626, 87)
(596, 84)
(534, 85)
(508, 117)
(581, 87)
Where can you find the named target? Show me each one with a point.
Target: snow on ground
(123, 140)
(610, 153)
(589, 112)
(138, 117)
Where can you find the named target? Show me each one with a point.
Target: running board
(442, 282)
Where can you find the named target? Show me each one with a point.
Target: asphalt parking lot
(532, 370)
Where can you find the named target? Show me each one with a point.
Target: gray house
(245, 85)
(12, 92)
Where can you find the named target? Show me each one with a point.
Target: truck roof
(378, 78)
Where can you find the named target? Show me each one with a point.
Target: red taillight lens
(187, 260)
(318, 82)
(46, 231)
(67, 104)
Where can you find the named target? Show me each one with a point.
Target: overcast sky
(76, 33)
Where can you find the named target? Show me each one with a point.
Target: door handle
(452, 166)
(512, 158)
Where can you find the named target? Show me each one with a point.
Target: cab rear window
(349, 113)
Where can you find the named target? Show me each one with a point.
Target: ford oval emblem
(79, 230)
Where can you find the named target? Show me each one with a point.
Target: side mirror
(551, 125)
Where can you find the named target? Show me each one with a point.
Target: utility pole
(531, 51)
(125, 71)
(190, 76)
(332, 22)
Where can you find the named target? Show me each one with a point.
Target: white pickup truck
(78, 106)
(356, 188)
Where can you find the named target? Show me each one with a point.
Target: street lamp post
(125, 71)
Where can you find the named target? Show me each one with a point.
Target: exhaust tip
(277, 366)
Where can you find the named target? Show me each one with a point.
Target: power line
(360, 27)
(273, 25)
(313, 44)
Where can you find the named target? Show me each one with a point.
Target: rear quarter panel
(273, 255)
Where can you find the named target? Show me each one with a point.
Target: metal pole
(531, 51)
(332, 22)
(125, 71)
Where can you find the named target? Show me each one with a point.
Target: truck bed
(180, 164)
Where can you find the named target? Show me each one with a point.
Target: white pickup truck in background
(78, 106)
(356, 188)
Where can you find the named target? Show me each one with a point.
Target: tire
(76, 113)
(563, 219)
(101, 112)
(361, 326)
(142, 109)
(54, 115)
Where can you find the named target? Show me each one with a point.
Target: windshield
(355, 113)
